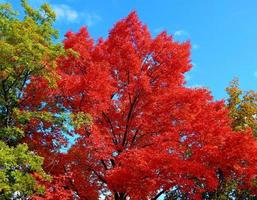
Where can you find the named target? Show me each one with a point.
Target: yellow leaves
(72, 52)
(48, 11)
(3, 75)
(80, 119)
(243, 107)
(27, 50)
(52, 78)
(25, 116)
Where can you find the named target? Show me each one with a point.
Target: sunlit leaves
(16, 167)
(149, 132)
(26, 49)
(243, 107)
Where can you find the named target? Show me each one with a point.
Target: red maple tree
(150, 133)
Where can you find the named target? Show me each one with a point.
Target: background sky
(223, 33)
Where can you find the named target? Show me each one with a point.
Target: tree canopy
(140, 131)
(149, 132)
(26, 49)
(243, 107)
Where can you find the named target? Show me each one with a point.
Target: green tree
(17, 164)
(27, 49)
(243, 107)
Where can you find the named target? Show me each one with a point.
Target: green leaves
(17, 164)
(242, 107)
(80, 119)
(27, 50)
(11, 134)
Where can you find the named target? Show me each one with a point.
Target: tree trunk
(119, 196)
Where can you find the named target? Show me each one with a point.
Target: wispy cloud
(91, 19)
(196, 86)
(158, 29)
(195, 46)
(193, 64)
(255, 74)
(181, 33)
(65, 12)
(189, 76)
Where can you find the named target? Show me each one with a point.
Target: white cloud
(180, 33)
(65, 12)
(255, 74)
(196, 86)
(91, 19)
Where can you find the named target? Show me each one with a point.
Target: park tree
(149, 132)
(243, 107)
(26, 49)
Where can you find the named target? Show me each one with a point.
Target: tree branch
(99, 176)
(128, 119)
(105, 166)
(112, 128)
(158, 195)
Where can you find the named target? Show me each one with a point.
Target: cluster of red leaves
(149, 132)
(57, 188)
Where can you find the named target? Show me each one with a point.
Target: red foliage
(150, 132)
(56, 189)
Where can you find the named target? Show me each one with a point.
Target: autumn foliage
(149, 133)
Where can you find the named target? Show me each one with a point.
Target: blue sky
(223, 33)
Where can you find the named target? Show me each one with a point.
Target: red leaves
(84, 76)
(150, 132)
(56, 189)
